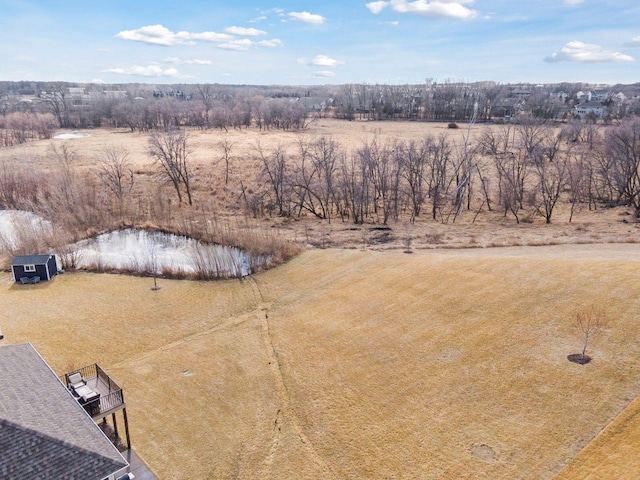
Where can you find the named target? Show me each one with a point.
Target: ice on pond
(133, 250)
(143, 251)
(70, 135)
(17, 226)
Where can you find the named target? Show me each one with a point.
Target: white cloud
(376, 7)
(581, 52)
(238, 45)
(573, 2)
(245, 32)
(259, 19)
(324, 61)
(394, 24)
(426, 8)
(271, 43)
(635, 42)
(179, 61)
(324, 74)
(148, 71)
(161, 35)
(211, 36)
(307, 17)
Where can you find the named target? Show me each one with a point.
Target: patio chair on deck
(75, 380)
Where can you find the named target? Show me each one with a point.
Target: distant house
(33, 268)
(44, 432)
(584, 110)
(583, 96)
(599, 95)
(521, 93)
(560, 95)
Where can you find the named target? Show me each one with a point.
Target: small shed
(33, 268)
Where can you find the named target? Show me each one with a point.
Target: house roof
(44, 432)
(593, 104)
(30, 259)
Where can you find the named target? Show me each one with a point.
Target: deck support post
(115, 425)
(126, 427)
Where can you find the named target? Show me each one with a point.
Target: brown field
(215, 199)
(362, 364)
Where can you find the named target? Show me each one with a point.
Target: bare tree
(414, 157)
(355, 186)
(57, 102)
(580, 175)
(170, 152)
(275, 169)
(512, 171)
(66, 158)
(384, 172)
(314, 176)
(552, 168)
(207, 95)
(115, 172)
(440, 174)
(588, 324)
(226, 146)
(622, 152)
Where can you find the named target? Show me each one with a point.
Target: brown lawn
(360, 364)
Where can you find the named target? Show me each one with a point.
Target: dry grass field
(215, 199)
(361, 364)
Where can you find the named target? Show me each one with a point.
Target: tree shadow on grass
(579, 358)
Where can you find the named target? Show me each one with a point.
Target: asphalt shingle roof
(30, 259)
(44, 432)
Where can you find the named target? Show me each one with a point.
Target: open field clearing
(359, 364)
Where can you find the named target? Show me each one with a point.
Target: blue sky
(312, 42)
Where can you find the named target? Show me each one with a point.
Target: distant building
(584, 110)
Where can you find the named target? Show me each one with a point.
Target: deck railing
(111, 395)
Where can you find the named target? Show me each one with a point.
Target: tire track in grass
(285, 412)
(227, 324)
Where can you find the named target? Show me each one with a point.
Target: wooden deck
(111, 397)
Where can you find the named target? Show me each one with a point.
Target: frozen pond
(18, 227)
(71, 135)
(131, 250)
(141, 251)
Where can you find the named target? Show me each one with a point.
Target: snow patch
(70, 135)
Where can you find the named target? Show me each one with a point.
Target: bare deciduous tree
(588, 324)
(170, 152)
(414, 157)
(115, 172)
(226, 146)
(622, 149)
(276, 170)
(551, 166)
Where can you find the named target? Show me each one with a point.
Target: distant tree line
(145, 109)
(141, 107)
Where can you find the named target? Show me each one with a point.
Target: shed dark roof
(44, 432)
(30, 259)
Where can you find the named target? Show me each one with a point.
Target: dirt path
(285, 412)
